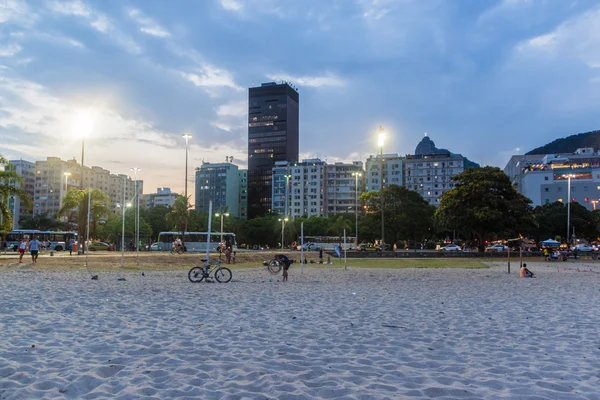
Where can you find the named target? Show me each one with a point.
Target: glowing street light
(594, 202)
(221, 215)
(287, 196)
(568, 176)
(283, 221)
(380, 142)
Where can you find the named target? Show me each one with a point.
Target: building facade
(547, 181)
(392, 171)
(219, 183)
(273, 135)
(298, 188)
(431, 174)
(343, 187)
(162, 197)
(54, 177)
(26, 170)
(243, 191)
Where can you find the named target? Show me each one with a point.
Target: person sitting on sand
(285, 261)
(525, 273)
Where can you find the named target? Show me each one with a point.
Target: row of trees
(483, 206)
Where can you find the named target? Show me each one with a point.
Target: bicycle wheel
(223, 275)
(196, 274)
(274, 267)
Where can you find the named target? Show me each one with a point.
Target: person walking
(22, 247)
(34, 249)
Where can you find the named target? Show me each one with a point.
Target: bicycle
(221, 274)
(177, 250)
(274, 266)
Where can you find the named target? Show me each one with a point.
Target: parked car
(584, 248)
(364, 247)
(154, 247)
(497, 248)
(451, 247)
(98, 246)
(310, 246)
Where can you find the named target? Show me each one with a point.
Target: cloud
(148, 25)
(310, 81)
(9, 50)
(96, 20)
(233, 109)
(211, 77)
(577, 38)
(16, 11)
(231, 5)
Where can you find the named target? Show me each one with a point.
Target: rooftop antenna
(425, 134)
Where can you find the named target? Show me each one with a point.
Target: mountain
(570, 144)
(427, 146)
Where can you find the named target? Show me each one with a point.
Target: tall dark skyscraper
(273, 135)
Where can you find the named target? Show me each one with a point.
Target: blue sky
(483, 78)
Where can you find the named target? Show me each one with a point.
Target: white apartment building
(53, 177)
(297, 189)
(26, 170)
(162, 197)
(392, 171)
(343, 187)
(431, 175)
(547, 181)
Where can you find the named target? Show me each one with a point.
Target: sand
(328, 333)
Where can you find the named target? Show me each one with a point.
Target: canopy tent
(550, 243)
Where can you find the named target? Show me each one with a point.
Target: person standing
(285, 262)
(22, 247)
(34, 248)
(321, 255)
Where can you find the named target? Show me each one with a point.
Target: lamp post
(66, 174)
(222, 215)
(137, 213)
(380, 141)
(283, 221)
(287, 196)
(569, 176)
(356, 175)
(187, 137)
(123, 206)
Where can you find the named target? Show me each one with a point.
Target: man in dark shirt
(285, 262)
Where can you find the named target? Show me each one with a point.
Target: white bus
(327, 242)
(195, 241)
(57, 241)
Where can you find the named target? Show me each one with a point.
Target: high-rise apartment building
(341, 190)
(392, 171)
(26, 170)
(273, 135)
(53, 177)
(243, 191)
(219, 183)
(431, 174)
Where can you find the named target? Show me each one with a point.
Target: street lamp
(287, 196)
(137, 213)
(356, 175)
(568, 176)
(222, 215)
(123, 206)
(283, 221)
(187, 137)
(380, 141)
(67, 174)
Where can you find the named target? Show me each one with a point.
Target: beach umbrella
(550, 243)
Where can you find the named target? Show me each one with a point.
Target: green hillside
(570, 143)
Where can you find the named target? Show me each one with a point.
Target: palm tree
(337, 226)
(179, 215)
(8, 187)
(77, 200)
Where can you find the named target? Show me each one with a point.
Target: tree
(179, 214)
(156, 218)
(484, 203)
(42, 222)
(407, 215)
(9, 179)
(552, 221)
(337, 225)
(111, 231)
(76, 200)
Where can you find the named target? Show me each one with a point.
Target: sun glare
(83, 122)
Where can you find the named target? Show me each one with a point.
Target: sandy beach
(327, 333)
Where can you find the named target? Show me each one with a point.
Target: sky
(484, 78)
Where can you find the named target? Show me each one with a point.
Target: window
(545, 178)
(560, 190)
(547, 201)
(546, 189)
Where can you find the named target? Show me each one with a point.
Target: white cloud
(9, 50)
(231, 5)
(96, 20)
(210, 77)
(505, 9)
(310, 81)
(148, 25)
(577, 38)
(233, 109)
